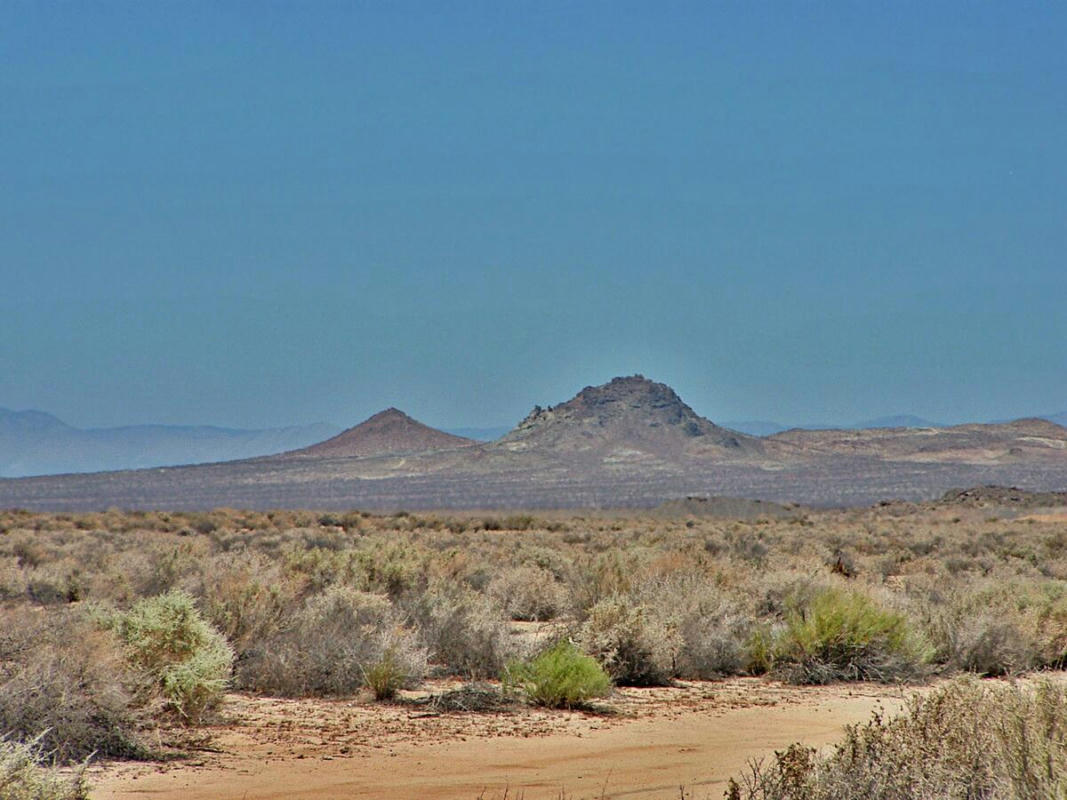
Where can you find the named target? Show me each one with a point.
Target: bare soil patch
(644, 743)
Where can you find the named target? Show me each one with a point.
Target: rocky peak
(626, 411)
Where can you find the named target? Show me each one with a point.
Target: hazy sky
(255, 214)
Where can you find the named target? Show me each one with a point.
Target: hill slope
(389, 432)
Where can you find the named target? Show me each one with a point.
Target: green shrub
(965, 740)
(844, 635)
(560, 677)
(189, 660)
(23, 775)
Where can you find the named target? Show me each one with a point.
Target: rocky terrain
(628, 443)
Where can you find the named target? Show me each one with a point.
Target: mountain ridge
(629, 442)
(37, 443)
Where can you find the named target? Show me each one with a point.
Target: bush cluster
(336, 643)
(965, 740)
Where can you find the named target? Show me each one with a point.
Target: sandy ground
(651, 743)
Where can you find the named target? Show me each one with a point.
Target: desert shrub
(394, 569)
(606, 576)
(321, 567)
(168, 566)
(715, 633)
(758, 653)
(559, 677)
(189, 660)
(998, 627)
(984, 642)
(464, 631)
(64, 682)
(965, 740)
(635, 645)
(12, 578)
(844, 635)
(400, 662)
(246, 598)
(339, 641)
(24, 775)
(529, 593)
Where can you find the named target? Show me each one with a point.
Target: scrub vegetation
(964, 740)
(119, 631)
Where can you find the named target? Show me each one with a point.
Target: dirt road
(695, 736)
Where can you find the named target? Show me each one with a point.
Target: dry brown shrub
(998, 627)
(246, 597)
(65, 683)
(634, 643)
(465, 632)
(529, 593)
(965, 740)
(328, 646)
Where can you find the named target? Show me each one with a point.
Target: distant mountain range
(36, 443)
(630, 442)
(758, 427)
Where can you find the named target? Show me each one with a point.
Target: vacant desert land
(650, 743)
(306, 654)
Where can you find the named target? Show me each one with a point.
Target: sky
(262, 214)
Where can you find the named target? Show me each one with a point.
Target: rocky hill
(389, 432)
(626, 416)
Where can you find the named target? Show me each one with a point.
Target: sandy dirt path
(695, 736)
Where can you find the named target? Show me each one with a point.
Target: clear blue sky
(255, 214)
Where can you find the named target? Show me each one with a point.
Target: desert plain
(382, 655)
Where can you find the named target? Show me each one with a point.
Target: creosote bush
(844, 635)
(559, 677)
(189, 660)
